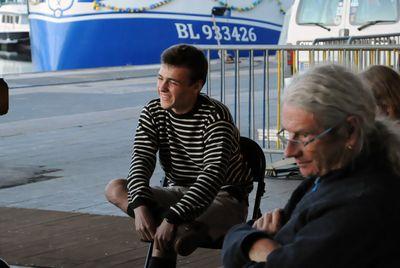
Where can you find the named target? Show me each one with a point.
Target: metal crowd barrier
(250, 80)
(381, 39)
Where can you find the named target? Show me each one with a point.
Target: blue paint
(117, 42)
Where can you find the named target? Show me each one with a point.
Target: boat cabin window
(8, 18)
(364, 11)
(11, 19)
(14, 1)
(323, 12)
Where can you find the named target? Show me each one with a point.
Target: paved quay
(65, 136)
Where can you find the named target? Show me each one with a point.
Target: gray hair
(332, 93)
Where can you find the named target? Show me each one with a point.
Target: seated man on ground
(198, 146)
(346, 213)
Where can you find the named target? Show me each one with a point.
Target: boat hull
(15, 41)
(79, 37)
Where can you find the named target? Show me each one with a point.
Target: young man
(198, 147)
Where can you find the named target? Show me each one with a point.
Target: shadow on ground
(14, 176)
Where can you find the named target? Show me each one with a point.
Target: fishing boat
(14, 26)
(71, 34)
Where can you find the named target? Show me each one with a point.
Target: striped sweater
(199, 150)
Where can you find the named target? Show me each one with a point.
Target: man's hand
(270, 222)
(164, 235)
(260, 250)
(144, 223)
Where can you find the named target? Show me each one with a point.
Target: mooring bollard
(3, 97)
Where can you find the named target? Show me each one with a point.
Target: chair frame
(255, 159)
(4, 264)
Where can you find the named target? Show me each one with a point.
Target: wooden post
(3, 97)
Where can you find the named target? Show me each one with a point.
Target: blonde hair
(385, 84)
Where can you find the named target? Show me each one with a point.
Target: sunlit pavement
(61, 144)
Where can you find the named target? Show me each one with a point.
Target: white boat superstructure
(14, 25)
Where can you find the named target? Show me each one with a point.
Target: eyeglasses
(303, 139)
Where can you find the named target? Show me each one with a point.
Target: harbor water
(15, 65)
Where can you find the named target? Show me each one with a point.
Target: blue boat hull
(130, 41)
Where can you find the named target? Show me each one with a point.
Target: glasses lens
(282, 138)
(285, 140)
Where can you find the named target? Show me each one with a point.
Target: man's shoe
(189, 237)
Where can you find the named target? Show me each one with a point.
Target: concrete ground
(61, 143)
(68, 133)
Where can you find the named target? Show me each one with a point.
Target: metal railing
(381, 39)
(250, 80)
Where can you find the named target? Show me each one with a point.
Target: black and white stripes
(199, 150)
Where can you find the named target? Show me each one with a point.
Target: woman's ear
(354, 132)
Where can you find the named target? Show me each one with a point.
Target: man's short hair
(183, 55)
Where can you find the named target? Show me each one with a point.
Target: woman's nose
(292, 149)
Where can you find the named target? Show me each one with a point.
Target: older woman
(346, 212)
(385, 84)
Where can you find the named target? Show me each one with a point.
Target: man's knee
(116, 191)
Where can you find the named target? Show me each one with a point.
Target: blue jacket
(350, 218)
